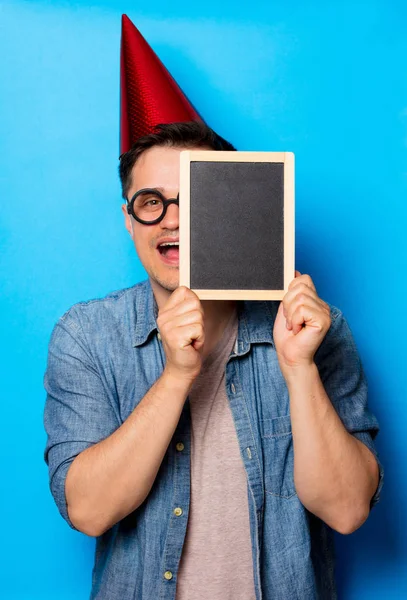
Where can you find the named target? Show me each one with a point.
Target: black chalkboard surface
(237, 224)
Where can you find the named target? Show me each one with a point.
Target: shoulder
(105, 312)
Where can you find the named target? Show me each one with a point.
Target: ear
(127, 220)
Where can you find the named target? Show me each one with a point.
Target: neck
(216, 316)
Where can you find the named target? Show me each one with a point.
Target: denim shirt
(104, 356)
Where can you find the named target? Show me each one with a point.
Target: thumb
(279, 323)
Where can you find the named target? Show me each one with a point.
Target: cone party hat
(149, 95)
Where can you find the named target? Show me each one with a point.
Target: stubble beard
(170, 284)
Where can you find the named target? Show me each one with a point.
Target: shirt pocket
(278, 456)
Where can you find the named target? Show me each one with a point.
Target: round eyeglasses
(148, 206)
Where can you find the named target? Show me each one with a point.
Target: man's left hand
(302, 322)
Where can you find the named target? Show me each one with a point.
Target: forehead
(157, 167)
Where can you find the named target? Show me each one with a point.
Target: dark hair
(190, 134)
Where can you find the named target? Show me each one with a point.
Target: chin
(167, 283)
(170, 287)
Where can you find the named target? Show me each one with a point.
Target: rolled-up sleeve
(78, 412)
(344, 380)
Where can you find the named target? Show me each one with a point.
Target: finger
(306, 279)
(299, 318)
(192, 335)
(183, 303)
(308, 316)
(300, 290)
(297, 274)
(198, 343)
(188, 318)
(280, 320)
(303, 300)
(179, 295)
(189, 305)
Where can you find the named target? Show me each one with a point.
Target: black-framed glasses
(148, 206)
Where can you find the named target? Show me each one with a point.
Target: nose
(171, 218)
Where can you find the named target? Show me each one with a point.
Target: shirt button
(178, 511)
(168, 575)
(159, 336)
(232, 387)
(180, 446)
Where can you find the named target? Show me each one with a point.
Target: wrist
(176, 381)
(300, 374)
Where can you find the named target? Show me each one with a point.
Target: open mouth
(169, 252)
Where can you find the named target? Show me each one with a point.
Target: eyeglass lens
(148, 206)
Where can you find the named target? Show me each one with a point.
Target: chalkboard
(237, 224)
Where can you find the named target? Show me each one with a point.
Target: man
(211, 447)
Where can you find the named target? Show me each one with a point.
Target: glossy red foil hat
(149, 95)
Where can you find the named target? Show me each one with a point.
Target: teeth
(170, 244)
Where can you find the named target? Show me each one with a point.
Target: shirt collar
(146, 312)
(256, 320)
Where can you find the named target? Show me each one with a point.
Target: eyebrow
(153, 188)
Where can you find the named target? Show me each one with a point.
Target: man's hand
(335, 474)
(112, 478)
(302, 322)
(181, 326)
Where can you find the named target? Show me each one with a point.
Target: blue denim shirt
(104, 356)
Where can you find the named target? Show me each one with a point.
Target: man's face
(157, 168)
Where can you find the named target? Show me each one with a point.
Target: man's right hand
(181, 326)
(110, 479)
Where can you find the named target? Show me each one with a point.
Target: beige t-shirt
(216, 563)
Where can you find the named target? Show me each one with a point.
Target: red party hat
(149, 94)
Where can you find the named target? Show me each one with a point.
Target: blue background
(325, 80)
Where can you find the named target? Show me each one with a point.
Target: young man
(210, 446)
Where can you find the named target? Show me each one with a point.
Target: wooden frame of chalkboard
(221, 255)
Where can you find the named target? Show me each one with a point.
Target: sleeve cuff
(366, 438)
(57, 486)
